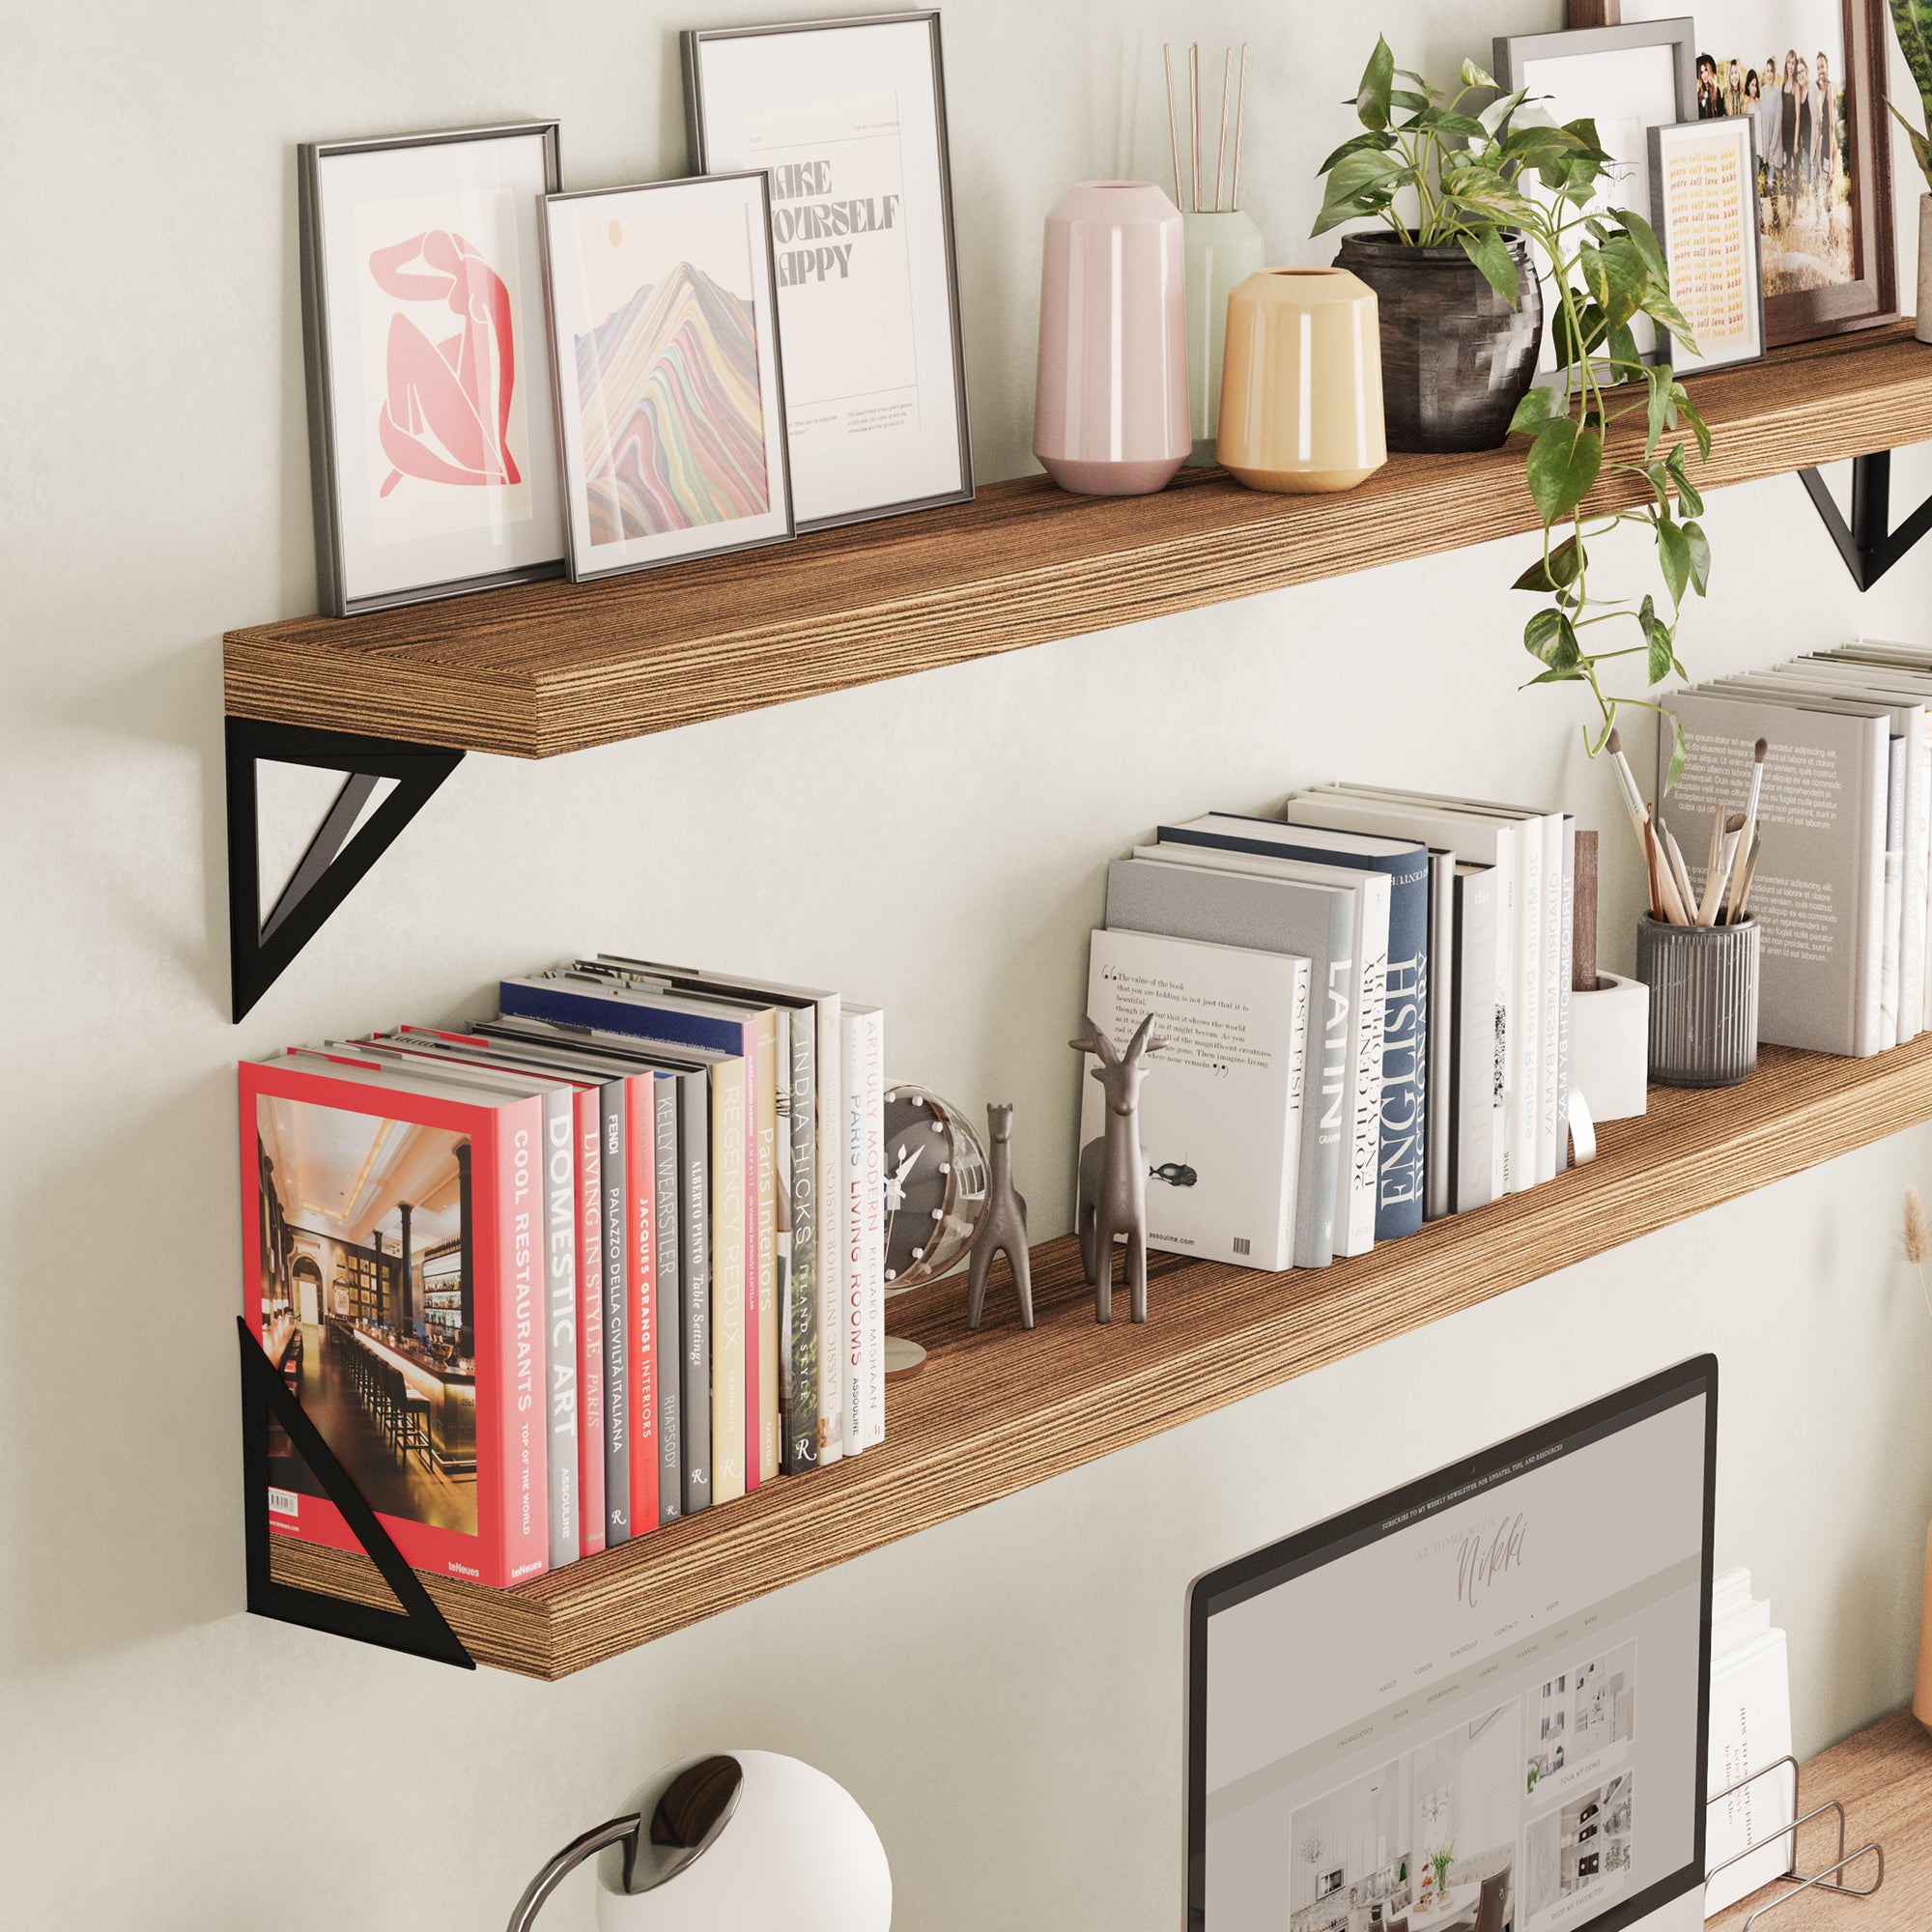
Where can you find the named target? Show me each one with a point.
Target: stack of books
(1845, 818)
(1365, 1006)
(1751, 1731)
(609, 1258)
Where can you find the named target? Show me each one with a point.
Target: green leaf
(1676, 769)
(1674, 556)
(1491, 254)
(1643, 238)
(1356, 144)
(1700, 559)
(1538, 405)
(1660, 308)
(1661, 412)
(1680, 398)
(1500, 109)
(1474, 76)
(1657, 635)
(1551, 639)
(1563, 463)
(1552, 576)
(1556, 677)
(1685, 493)
(1920, 153)
(1466, 126)
(1372, 97)
(1368, 170)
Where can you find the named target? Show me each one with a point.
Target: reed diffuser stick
(1221, 150)
(1240, 116)
(1173, 123)
(1194, 121)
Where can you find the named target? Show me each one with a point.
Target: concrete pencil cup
(1703, 983)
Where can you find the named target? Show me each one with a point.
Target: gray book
(1818, 894)
(1316, 923)
(799, 1306)
(667, 1353)
(1437, 1200)
(1479, 1075)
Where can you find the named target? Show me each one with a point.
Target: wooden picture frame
(1868, 296)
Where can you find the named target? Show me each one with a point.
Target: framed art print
(432, 439)
(848, 117)
(1627, 79)
(1703, 195)
(1811, 76)
(665, 354)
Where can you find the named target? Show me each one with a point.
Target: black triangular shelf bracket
(418, 1628)
(261, 950)
(1868, 542)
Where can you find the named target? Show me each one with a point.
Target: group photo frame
(1811, 76)
(848, 117)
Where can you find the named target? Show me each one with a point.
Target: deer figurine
(1003, 1225)
(1112, 1177)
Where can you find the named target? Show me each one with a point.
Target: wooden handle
(1595, 13)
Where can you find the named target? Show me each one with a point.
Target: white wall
(1002, 1694)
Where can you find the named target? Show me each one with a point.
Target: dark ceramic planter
(1455, 358)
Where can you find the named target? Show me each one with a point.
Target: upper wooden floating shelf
(552, 667)
(997, 1411)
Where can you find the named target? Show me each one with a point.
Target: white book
(1362, 1095)
(1739, 1627)
(1480, 1073)
(1565, 967)
(1220, 1112)
(1438, 1202)
(863, 1319)
(1818, 894)
(1751, 1729)
(1731, 1591)
(1483, 840)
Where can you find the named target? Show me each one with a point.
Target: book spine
(559, 1188)
(1400, 1179)
(829, 1130)
(1481, 1043)
(1566, 966)
(640, 1256)
(515, 1362)
(1872, 890)
(617, 1326)
(1548, 1126)
(761, 1315)
(1526, 984)
(874, 1068)
(801, 1309)
(852, 1201)
(728, 1284)
(1297, 1097)
(1912, 955)
(1369, 1017)
(694, 1284)
(1321, 1165)
(1891, 1002)
(1437, 1195)
(1509, 1018)
(590, 1319)
(669, 1301)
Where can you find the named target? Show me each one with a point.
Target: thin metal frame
(691, 43)
(261, 950)
(1822, 1880)
(1667, 345)
(330, 570)
(555, 344)
(1867, 544)
(418, 1628)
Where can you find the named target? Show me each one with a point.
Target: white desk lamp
(733, 1843)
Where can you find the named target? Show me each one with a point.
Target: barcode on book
(283, 1502)
(1241, 1246)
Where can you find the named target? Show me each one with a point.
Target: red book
(640, 1188)
(590, 1320)
(370, 1192)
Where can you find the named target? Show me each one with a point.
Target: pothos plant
(1439, 175)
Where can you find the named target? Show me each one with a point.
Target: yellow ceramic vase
(1301, 382)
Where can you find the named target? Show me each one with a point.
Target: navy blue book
(1404, 1122)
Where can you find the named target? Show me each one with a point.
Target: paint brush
(1221, 152)
(1680, 873)
(1743, 895)
(1640, 818)
(1729, 831)
(1172, 121)
(1241, 119)
(1750, 836)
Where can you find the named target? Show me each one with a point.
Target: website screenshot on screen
(1506, 1683)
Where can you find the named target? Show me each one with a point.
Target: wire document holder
(1824, 1879)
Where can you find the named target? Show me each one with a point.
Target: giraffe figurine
(1113, 1175)
(1003, 1225)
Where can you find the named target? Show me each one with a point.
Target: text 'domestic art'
(668, 387)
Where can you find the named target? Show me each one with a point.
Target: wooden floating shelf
(553, 667)
(994, 1412)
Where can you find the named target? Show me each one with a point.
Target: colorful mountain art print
(666, 374)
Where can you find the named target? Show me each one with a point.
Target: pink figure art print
(445, 413)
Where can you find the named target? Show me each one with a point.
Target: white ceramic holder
(1609, 1047)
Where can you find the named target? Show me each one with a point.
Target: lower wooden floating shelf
(994, 1412)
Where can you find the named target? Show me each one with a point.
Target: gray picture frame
(691, 43)
(553, 347)
(332, 594)
(1668, 342)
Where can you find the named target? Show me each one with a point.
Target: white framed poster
(432, 443)
(848, 118)
(1703, 190)
(665, 356)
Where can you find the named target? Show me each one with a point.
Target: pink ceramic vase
(1110, 412)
